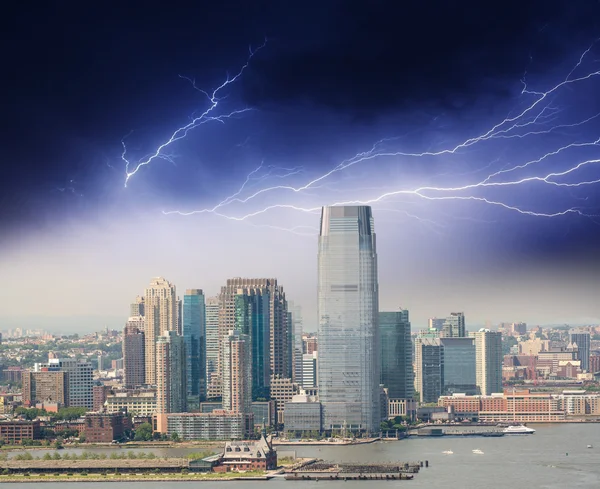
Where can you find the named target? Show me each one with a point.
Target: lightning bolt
(210, 114)
(538, 116)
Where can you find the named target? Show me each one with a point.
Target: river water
(556, 456)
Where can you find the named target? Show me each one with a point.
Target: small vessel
(590, 446)
(518, 430)
(478, 452)
(447, 452)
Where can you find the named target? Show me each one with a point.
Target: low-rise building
(14, 432)
(303, 414)
(104, 427)
(247, 456)
(137, 403)
(402, 407)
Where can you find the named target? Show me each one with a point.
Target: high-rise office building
(296, 340)
(194, 336)
(396, 354)
(436, 324)
(171, 388)
(161, 315)
(459, 366)
(308, 378)
(488, 357)
(310, 343)
(212, 346)
(582, 340)
(454, 326)
(237, 373)
(429, 368)
(80, 379)
(278, 327)
(136, 309)
(179, 321)
(134, 347)
(348, 305)
(251, 309)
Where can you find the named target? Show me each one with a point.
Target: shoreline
(133, 478)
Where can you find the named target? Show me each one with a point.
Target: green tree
(143, 432)
(175, 437)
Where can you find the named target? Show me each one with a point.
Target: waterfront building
(194, 337)
(216, 425)
(171, 389)
(247, 456)
(459, 365)
(582, 340)
(429, 368)
(517, 407)
(15, 432)
(488, 357)
(402, 407)
(104, 427)
(396, 354)
(134, 348)
(348, 305)
(303, 415)
(237, 373)
(454, 326)
(161, 315)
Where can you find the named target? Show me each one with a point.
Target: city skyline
(478, 157)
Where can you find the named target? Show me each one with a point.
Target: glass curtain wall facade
(194, 336)
(348, 305)
(396, 354)
(459, 366)
(252, 319)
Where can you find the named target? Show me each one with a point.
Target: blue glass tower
(194, 335)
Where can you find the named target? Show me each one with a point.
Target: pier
(436, 432)
(321, 471)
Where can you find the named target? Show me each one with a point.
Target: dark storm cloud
(378, 57)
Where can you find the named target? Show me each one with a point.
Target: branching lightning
(538, 116)
(210, 114)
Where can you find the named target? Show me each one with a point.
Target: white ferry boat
(518, 430)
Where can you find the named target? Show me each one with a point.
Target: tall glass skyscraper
(194, 336)
(396, 354)
(251, 308)
(348, 304)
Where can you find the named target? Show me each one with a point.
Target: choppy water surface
(539, 461)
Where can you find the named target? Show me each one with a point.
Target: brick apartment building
(14, 432)
(105, 427)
